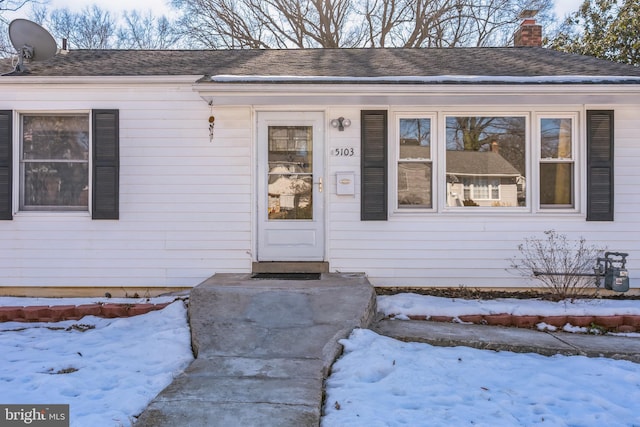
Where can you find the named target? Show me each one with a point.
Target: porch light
(340, 123)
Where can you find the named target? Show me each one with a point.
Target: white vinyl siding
(185, 201)
(188, 204)
(472, 248)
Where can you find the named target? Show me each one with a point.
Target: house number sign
(343, 152)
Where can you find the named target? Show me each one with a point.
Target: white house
(139, 171)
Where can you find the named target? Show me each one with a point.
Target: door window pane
(290, 181)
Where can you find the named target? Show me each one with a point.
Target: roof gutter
(323, 93)
(443, 79)
(98, 80)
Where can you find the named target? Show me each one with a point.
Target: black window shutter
(106, 164)
(600, 165)
(6, 162)
(373, 202)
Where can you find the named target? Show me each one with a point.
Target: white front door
(290, 186)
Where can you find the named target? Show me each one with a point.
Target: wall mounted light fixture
(340, 123)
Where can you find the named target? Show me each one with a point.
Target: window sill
(485, 212)
(56, 214)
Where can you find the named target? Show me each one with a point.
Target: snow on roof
(422, 79)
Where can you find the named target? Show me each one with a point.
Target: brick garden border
(57, 313)
(617, 323)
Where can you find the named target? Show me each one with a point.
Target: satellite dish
(32, 42)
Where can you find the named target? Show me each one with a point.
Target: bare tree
(11, 6)
(267, 23)
(5, 44)
(96, 28)
(353, 23)
(450, 23)
(8, 6)
(406, 22)
(145, 31)
(92, 28)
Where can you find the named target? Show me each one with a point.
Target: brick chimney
(495, 147)
(529, 34)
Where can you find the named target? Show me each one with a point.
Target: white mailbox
(345, 184)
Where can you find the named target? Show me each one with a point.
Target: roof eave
(436, 79)
(99, 80)
(269, 93)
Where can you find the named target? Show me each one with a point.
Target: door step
(286, 276)
(290, 267)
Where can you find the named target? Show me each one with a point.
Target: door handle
(319, 184)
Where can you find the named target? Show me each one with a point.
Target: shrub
(565, 268)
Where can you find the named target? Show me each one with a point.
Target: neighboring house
(124, 169)
(481, 178)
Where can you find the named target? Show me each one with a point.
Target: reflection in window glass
(414, 184)
(555, 139)
(556, 184)
(290, 173)
(556, 162)
(478, 188)
(54, 162)
(486, 161)
(414, 163)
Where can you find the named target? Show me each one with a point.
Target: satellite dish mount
(26, 52)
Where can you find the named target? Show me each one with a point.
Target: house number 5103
(343, 152)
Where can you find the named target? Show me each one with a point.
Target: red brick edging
(56, 313)
(618, 323)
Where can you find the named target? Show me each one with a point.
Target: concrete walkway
(263, 349)
(511, 339)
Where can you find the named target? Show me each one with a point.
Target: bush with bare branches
(564, 267)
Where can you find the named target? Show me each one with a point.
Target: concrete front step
(290, 267)
(263, 349)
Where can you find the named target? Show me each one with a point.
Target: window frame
(576, 160)
(432, 161)
(442, 153)
(19, 173)
(533, 141)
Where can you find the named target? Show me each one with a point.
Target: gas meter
(612, 267)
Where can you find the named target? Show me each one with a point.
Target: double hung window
(415, 168)
(557, 162)
(54, 162)
(486, 161)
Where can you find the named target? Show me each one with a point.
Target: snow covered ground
(383, 382)
(108, 370)
(380, 381)
(408, 304)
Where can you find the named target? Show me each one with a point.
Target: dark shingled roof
(356, 63)
(483, 163)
